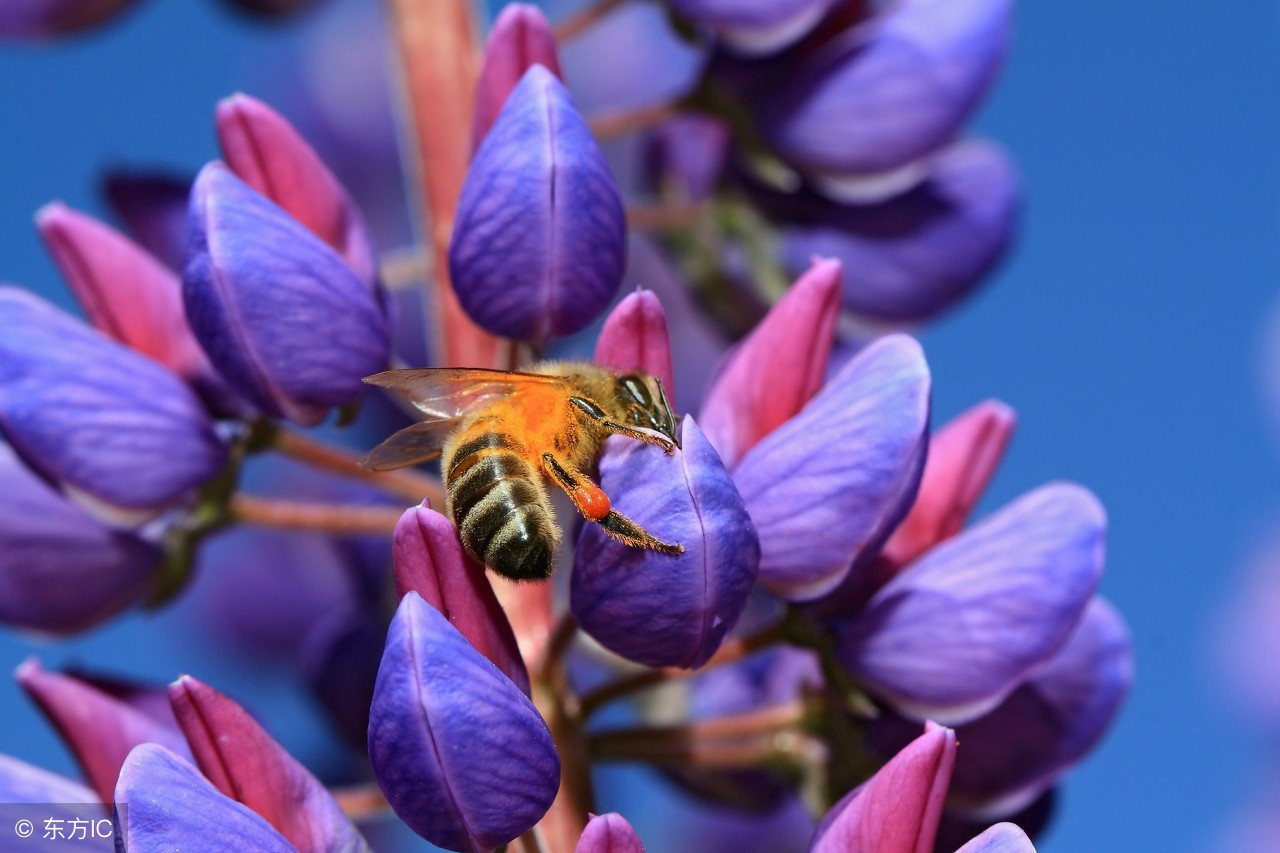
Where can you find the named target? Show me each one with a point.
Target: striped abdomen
(495, 499)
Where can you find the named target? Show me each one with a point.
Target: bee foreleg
(626, 531)
(597, 414)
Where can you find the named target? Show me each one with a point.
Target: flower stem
(732, 651)
(738, 741)
(361, 801)
(579, 22)
(662, 216)
(338, 519)
(613, 125)
(401, 269)
(409, 485)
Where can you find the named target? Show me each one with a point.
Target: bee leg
(596, 413)
(594, 505)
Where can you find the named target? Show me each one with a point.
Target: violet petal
(609, 833)
(955, 632)
(687, 155)
(662, 609)
(1001, 838)
(153, 208)
(521, 37)
(36, 19)
(285, 320)
(268, 154)
(756, 27)
(87, 412)
(461, 754)
(539, 242)
(339, 659)
(430, 560)
(164, 804)
(245, 763)
(634, 337)
(892, 91)
(915, 254)
(827, 487)
(778, 368)
(99, 729)
(896, 810)
(963, 457)
(25, 783)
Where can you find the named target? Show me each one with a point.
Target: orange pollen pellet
(594, 502)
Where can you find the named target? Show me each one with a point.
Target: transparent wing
(414, 445)
(447, 393)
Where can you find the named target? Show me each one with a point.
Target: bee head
(648, 404)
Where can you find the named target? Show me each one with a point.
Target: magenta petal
(778, 368)
(892, 91)
(99, 728)
(245, 763)
(521, 38)
(634, 337)
(539, 242)
(827, 487)
(1001, 838)
(896, 810)
(957, 631)
(609, 833)
(153, 208)
(265, 151)
(430, 561)
(462, 755)
(164, 804)
(963, 457)
(663, 609)
(128, 294)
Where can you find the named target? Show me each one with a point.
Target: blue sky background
(1125, 329)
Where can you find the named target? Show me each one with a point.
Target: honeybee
(501, 435)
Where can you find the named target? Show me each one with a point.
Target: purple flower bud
(914, 254)
(61, 571)
(539, 242)
(1023, 747)
(245, 763)
(154, 210)
(521, 38)
(99, 728)
(609, 833)
(897, 810)
(430, 561)
(88, 413)
(1001, 838)
(963, 456)
(285, 320)
(687, 154)
(634, 337)
(778, 368)
(461, 754)
(957, 631)
(826, 488)
(662, 609)
(892, 91)
(23, 783)
(756, 27)
(32, 19)
(265, 152)
(128, 294)
(170, 806)
(271, 8)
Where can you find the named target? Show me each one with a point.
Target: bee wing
(413, 445)
(448, 393)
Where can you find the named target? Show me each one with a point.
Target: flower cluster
(828, 614)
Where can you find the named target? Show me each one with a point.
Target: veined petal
(539, 242)
(957, 631)
(430, 561)
(897, 810)
(963, 457)
(778, 368)
(153, 207)
(609, 833)
(245, 763)
(1001, 838)
(521, 38)
(268, 154)
(286, 321)
(634, 337)
(663, 609)
(826, 488)
(893, 90)
(99, 728)
(461, 754)
(89, 413)
(168, 805)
